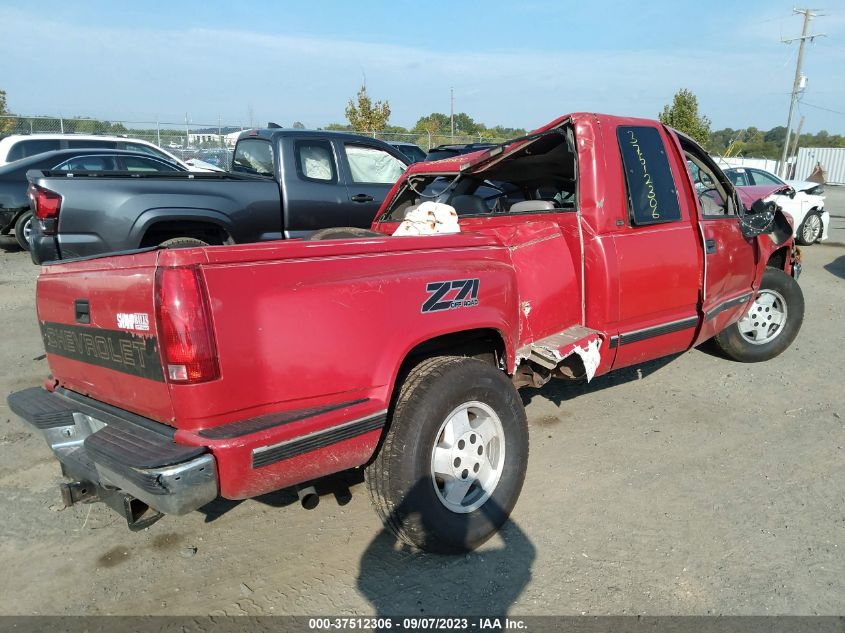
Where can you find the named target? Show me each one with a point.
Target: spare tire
(342, 233)
(183, 242)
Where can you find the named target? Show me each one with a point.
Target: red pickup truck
(182, 375)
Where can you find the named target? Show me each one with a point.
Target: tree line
(367, 116)
(364, 115)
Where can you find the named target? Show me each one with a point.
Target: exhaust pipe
(308, 496)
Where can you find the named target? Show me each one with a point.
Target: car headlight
(815, 191)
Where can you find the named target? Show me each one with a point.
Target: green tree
(5, 124)
(464, 124)
(434, 123)
(366, 115)
(775, 135)
(339, 127)
(298, 125)
(683, 115)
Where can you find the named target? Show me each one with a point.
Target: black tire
(812, 236)
(739, 348)
(183, 242)
(342, 233)
(400, 479)
(21, 229)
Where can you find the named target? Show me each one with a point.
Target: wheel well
(484, 344)
(205, 231)
(778, 259)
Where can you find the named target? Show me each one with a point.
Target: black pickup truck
(283, 183)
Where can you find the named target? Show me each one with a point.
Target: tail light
(185, 331)
(45, 205)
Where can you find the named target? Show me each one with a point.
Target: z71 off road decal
(448, 295)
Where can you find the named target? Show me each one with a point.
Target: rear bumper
(43, 248)
(50, 248)
(116, 450)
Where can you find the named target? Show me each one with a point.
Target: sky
(518, 64)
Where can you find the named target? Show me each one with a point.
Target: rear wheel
(182, 242)
(771, 323)
(453, 461)
(23, 230)
(810, 230)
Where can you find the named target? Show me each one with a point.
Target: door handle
(82, 311)
(362, 197)
(709, 246)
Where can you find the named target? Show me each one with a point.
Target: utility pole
(452, 111)
(796, 84)
(797, 136)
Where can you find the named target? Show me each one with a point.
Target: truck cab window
(373, 165)
(709, 190)
(712, 188)
(652, 197)
(315, 161)
(254, 156)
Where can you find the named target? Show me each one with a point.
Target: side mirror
(758, 219)
(761, 206)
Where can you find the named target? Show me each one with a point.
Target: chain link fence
(212, 143)
(428, 140)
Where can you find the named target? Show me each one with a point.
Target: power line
(810, 105)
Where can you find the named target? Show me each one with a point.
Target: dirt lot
(694, 485)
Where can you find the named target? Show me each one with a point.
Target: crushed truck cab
(596, 242)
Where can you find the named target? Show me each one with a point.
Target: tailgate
(98, 325)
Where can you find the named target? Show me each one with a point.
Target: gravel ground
(691, 485)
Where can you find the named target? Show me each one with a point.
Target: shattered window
(372, 165)
(652, 197)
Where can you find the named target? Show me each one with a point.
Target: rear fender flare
(151, 217)
(407, 353)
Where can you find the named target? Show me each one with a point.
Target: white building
(204, 137)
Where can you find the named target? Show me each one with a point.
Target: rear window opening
(540, 177)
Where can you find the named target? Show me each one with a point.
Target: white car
(19, 146)
(806, 207)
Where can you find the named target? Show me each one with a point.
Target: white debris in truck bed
(429, 218)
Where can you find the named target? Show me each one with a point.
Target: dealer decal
(449, 295)
(113, 349)
(133, 321)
